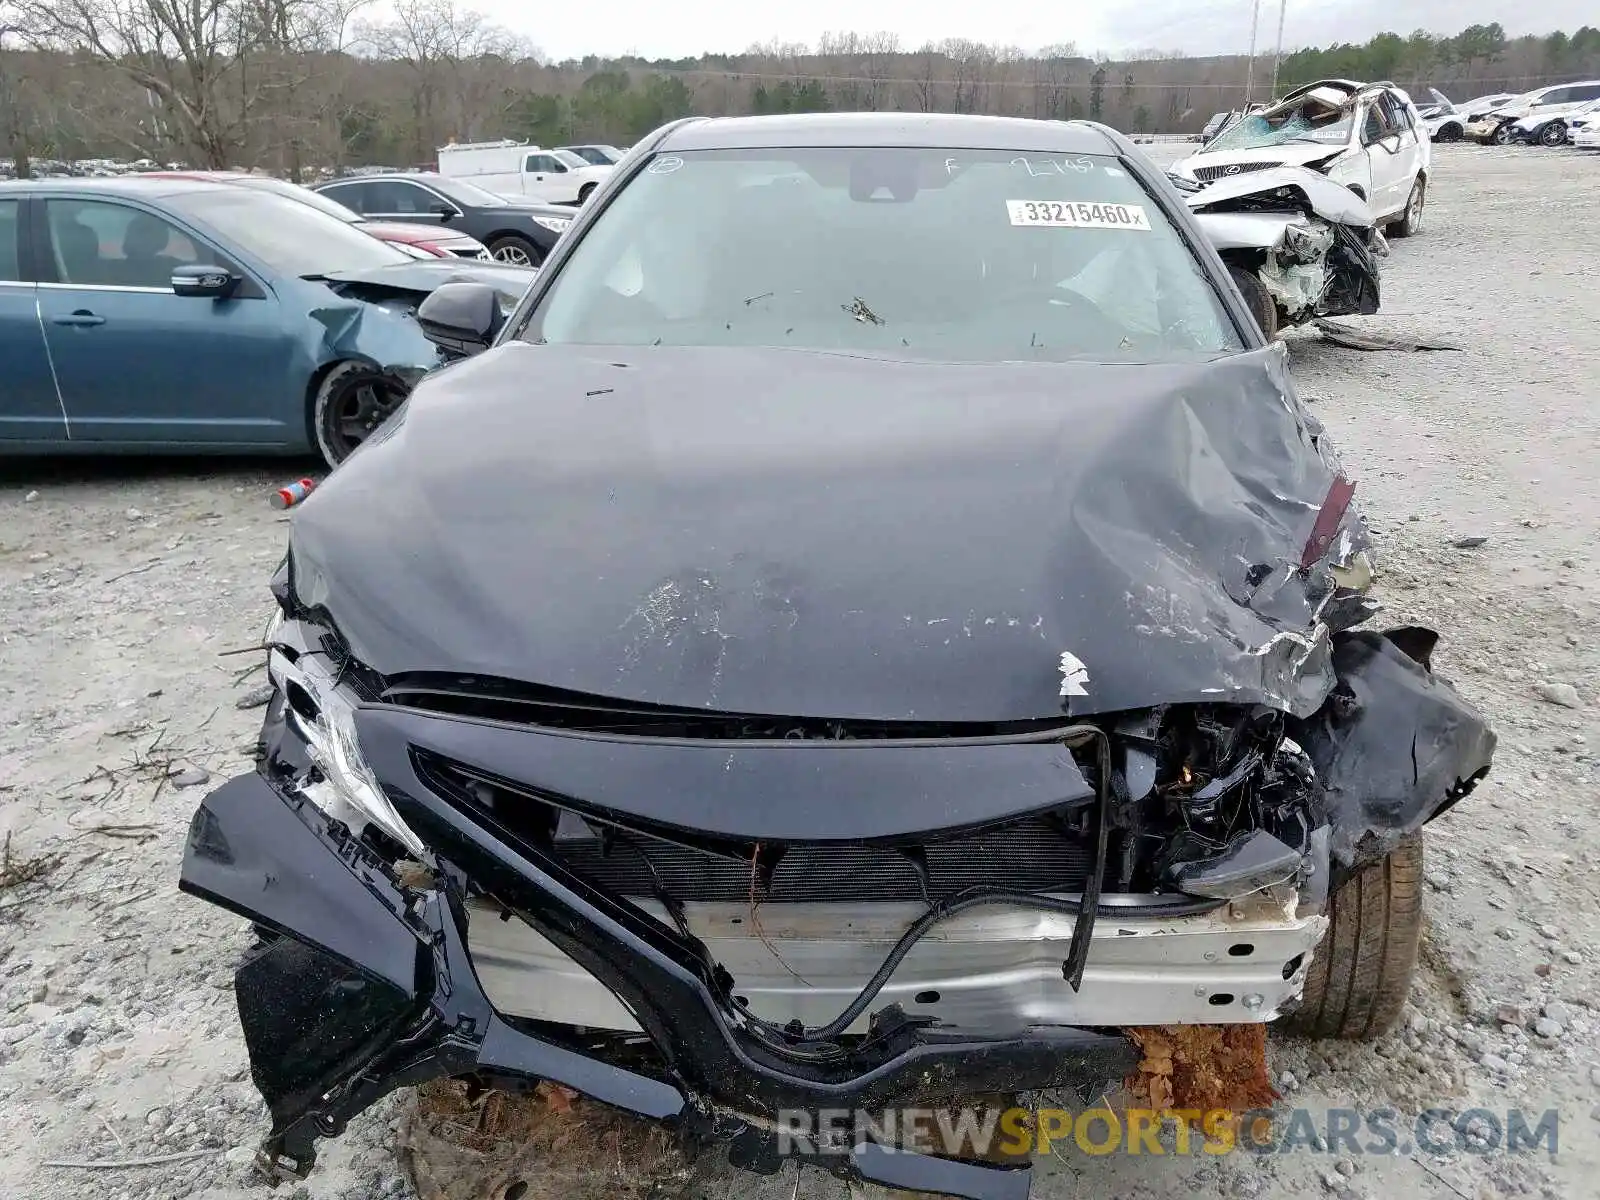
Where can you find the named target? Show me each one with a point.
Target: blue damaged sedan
(146, 315)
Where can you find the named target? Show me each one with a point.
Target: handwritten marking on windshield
(1049, 166)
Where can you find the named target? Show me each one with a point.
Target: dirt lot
(122, 586)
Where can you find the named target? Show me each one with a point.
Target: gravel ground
(123, 584)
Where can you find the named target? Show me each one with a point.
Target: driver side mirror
(442, 210)
(214, 282)
(462, 319)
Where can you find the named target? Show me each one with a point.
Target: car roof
(142, 187)
(919, 130)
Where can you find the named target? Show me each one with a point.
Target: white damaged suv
(1369, 137)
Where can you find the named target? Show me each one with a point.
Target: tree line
(292, 85)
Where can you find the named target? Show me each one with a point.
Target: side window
(1590, 91)
(10, 228)
(97, 243)
(1372, 130)
(410, 199)
(1554, 96)
(351, 195)
(557, 167)
(533, 164)
(380, 196)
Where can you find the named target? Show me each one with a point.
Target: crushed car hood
(1300, 187)
(420, 277)
(837, 536)
(1287, 154)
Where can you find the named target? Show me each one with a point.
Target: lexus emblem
(1233, 170)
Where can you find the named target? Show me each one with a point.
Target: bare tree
(970, 64)
(302, 71)
(926, 79)
(13, 124)
(879, 52)
(457, 60)
(186, 56)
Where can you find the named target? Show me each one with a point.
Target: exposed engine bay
(1313, 244)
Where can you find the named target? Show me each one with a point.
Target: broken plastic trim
(431, 1018)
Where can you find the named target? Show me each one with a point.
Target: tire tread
(1360, 974)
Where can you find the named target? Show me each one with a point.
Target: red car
(417, 239)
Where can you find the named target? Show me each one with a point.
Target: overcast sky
(655, 29)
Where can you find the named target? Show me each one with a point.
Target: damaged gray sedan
(888, 625)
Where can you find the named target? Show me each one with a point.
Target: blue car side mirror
(198, 280)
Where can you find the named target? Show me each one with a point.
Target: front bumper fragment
(374, 989)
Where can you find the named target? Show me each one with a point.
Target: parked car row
(211, 314)
(1538, 117)
(515, 230)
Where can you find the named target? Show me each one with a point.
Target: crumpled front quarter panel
(1394, 746)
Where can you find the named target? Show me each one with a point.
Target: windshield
(462, 192)
(293, 191)
(285, 234)
(1310, 122)
(966, 255)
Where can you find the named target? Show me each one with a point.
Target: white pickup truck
(514, 169)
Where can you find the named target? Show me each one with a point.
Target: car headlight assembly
(556, 225)
(325, 716)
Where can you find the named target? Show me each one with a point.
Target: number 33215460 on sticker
(1078, 214)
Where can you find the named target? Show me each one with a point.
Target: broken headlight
(325, 716)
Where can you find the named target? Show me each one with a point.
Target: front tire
(1361, 971)
(515, 251)
(1554, 134)
(586, 191)
(1261, 304)
(1449, 133)
(352, 401)
(1410, 221)
(1502, 134)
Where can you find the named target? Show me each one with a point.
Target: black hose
(1085, 907)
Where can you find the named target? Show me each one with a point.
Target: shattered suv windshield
(1304, 124)
(969, 255)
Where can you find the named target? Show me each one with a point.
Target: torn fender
(1394, 745)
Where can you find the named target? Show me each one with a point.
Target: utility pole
(1277, 52)
(1250, 70)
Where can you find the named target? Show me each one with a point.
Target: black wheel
(1554, 134)
(516, 251)
(1360, 973)
(1410, 221)
(352, 401)
(585, 192)
(1449, 133)
(1502, 134)
(1262, 306)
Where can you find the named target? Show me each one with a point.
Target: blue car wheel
(352, 401)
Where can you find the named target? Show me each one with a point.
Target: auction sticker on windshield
(1073, 214)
